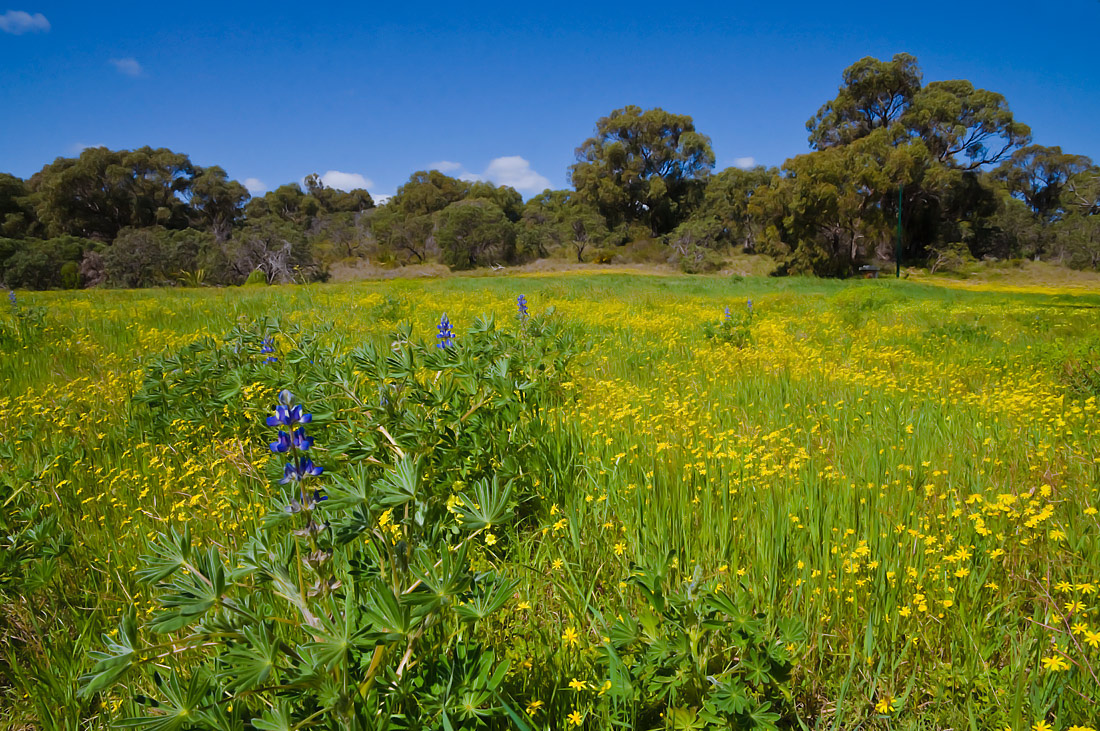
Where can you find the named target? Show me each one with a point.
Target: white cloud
(18, 22)
(511, 170)
(381, 199)
(128, 66)
(445, 166)
(744, 162)
(255, 185)
(516, 172)
(345, 181)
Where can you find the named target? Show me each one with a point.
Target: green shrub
(360, 600)
(255, 278)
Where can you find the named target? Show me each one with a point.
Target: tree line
(948, 159)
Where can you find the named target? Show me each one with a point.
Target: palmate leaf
(346, 492)
(443, 580)
(249, 664)
(387, 613)
(119, 657)
(763, 718)
(792, 630)
(486, 602)
(624, 632)
(274, 719)
(181, 707)
(487, 507)
(730, 697)
(169, 555)
(190, 595)
(398, 485)
(755, 669)
(340, 636)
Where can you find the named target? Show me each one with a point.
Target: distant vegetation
(968, 181)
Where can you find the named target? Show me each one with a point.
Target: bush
(70, 275)
(699, 260)
(954, 258)
(256, 279)
(734, 329)
(366, 590)
(475, 233)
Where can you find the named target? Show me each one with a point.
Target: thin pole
(897, 253)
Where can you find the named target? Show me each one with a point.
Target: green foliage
(24, 326)
(700, 260)
(209, 375)
(558, 222)
(733, 329)
(255, 278)
(700, 656)
(360, 599)
(41, 264)
(102, 191)
(954, 258)
(641, 166)
(874, 94)
(473, 233)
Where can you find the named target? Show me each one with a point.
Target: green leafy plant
(734, 329)
(698, 656)
(360, 600)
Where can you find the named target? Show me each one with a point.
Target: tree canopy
(645, 167)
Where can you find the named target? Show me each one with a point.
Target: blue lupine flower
(300, 440)
(521, 303)
(11, 299)
(282, 443)
(727, 314)
(288, 415)
(299, 469)
(750, 305)
(267, 348)
(446, 335)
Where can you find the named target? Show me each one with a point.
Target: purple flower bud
(282, 443)
(300, 440)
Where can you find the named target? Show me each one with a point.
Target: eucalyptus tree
(643, 167)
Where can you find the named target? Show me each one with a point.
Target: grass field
(895, 483)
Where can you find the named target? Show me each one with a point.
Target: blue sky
(274, 91)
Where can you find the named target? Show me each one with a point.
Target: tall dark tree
(475, 233)
(334, 200)
(962, 126)
(506, 198)
(1042, 177)
(102, 191)
(17, 218)
(727, 204)
(874, 95)
(216, 201)
(288, 203)
(647, 167)
(427, 191)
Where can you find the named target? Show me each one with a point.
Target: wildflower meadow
(567, 501)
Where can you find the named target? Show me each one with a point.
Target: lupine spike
(293, 444)
(446, 335)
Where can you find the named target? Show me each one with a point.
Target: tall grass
(911, 471)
